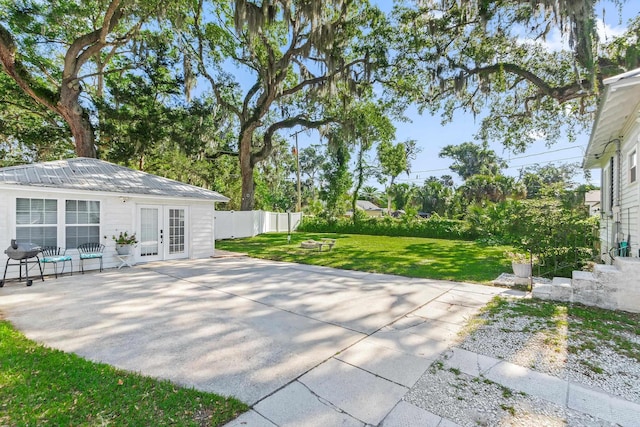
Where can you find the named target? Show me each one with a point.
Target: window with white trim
(82, 220)
(37, 221)
(633, 166)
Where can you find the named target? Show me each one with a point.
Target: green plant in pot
(522, 263)
(124, 242)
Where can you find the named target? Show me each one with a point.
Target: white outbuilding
(66, 203)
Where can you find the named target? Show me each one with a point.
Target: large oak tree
(53, 49)
(290, 56)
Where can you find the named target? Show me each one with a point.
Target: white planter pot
(521, 270)
(123, 249)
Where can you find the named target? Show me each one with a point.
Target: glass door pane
(149, 232)
(176, 231)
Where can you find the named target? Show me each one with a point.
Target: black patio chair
(52, 255)
(90, 251)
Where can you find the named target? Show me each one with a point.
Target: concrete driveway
(306, 345)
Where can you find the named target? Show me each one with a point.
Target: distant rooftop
(97, 175)
(592, 196)
(367, 205)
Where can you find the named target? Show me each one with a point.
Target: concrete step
(591, 288)
(542, 291)
(561, 289)
(602, 298)
(627, 265)
(558, 290)
(601, 270)
(585, 280)
(561, 281)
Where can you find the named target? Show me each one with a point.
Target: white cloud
(607, 32)
(555, 41)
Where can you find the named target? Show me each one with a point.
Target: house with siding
(613, 148)
(69, 202)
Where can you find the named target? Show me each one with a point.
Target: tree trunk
(356, 190)
(389, 196)
(77, 119)
(248, 190)
(246, 170)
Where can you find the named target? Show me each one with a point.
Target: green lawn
(405, 256)
(41, 386)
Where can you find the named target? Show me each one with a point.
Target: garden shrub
(407, 226)
(563, 239)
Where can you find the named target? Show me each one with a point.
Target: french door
(162, 232)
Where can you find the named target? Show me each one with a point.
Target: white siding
(622, 220)
(629, 203)
(202, 241)
(7, 231)
(118, 213)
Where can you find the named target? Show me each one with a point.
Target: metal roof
(619, 106)
(367, 205)
(88, 174)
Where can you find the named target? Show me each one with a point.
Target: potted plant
(124, 242)
(521, 263)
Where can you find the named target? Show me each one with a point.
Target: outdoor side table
(125, 260)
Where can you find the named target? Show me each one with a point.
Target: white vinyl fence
(233, 224)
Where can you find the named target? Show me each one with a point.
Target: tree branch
(203, 70)
(75, 57)
(218, 154)
(561, 94)
(21, 75)
(267, 147)
(321, 79)
(40, 114)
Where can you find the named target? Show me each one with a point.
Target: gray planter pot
(521, 269)
(123, 249)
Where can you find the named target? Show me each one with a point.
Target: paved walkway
(304, 345)
(364, 383)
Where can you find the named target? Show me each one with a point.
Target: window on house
(82, 219)
(36, 221)
(632, 166)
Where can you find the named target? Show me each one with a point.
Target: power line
(546, 152)
(513, 158)
(508, 168)
(545, 162)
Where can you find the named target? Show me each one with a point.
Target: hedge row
(434, 227)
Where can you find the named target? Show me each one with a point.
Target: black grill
(20, 251)
(23, 252)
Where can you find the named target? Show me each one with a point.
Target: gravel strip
(555, 344)
(471, 401)
(544, 345)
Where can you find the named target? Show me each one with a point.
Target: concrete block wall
(613, 287)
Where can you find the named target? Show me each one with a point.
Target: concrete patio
(303, 345)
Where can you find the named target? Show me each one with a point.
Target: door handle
(161, 237)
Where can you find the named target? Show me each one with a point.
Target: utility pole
(297, 154)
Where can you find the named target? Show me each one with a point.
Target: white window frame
(43, 219)
(75, 219)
